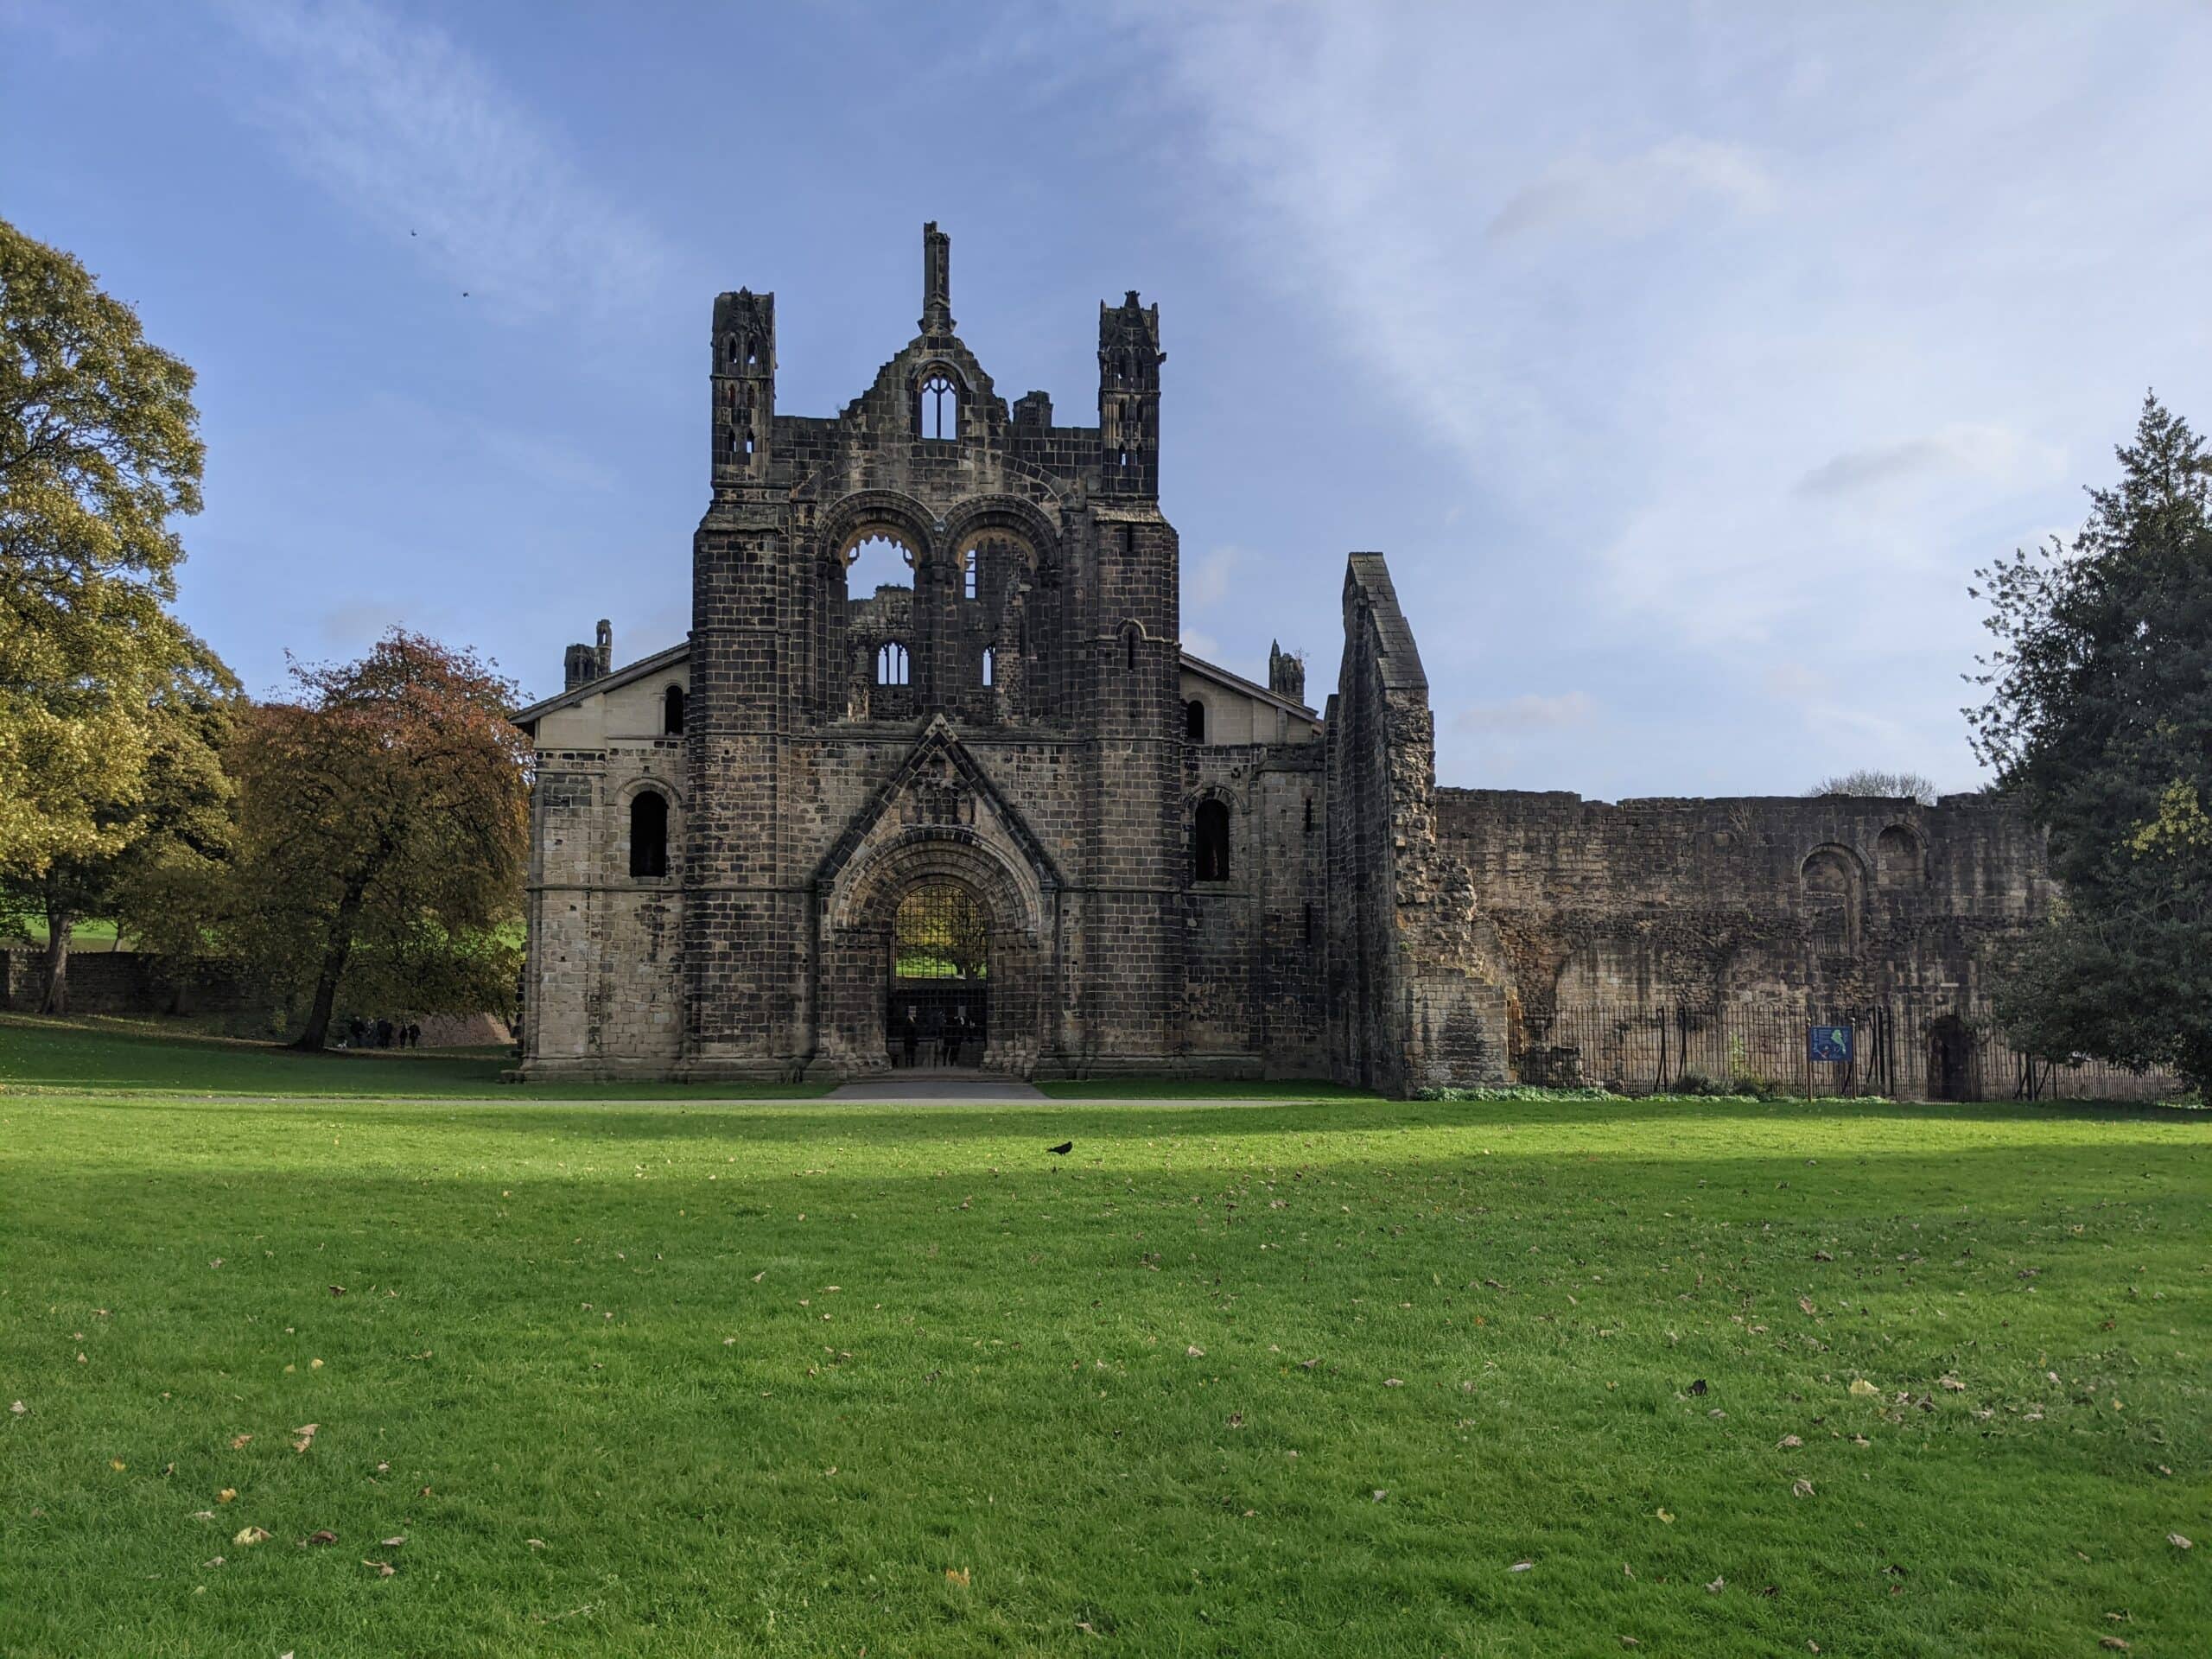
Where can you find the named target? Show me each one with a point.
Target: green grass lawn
(1287, 1378)
(106, 1055)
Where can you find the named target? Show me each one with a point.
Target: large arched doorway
(936, 1005)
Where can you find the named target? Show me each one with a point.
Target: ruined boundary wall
(1833, 900)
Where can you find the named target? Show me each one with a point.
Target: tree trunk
(59, 924)
(334, 955)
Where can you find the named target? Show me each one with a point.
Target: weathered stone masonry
(1178, 871)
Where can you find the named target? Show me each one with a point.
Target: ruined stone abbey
(990, 813)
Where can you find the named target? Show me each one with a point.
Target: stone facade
(1176, 870)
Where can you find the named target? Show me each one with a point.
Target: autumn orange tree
(382, 833)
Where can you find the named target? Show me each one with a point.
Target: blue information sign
(1828, 1043)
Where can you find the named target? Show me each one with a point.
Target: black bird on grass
(1063, 1149)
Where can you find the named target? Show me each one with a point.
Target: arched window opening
(991, 666)
(1898, 863)
(672, 712)
(1830, 880)
(1309, 926)
(1309, 815)
(940, 932)
(969, 562)
(749, 443)
(648, 833)
(877, 561)
(1194, 722)
(1210, 842)
(940, 408)
(1130, 649)
(891, 664)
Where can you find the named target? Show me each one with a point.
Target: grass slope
(754, 1379)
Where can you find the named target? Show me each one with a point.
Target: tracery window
(940, 408)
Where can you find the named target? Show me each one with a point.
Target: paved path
(936, 1086)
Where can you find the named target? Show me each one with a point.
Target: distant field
(1303, 1379)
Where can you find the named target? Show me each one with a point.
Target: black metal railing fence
(1901, 1053)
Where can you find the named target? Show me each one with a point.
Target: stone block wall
(1416, 991)
(1700, 903)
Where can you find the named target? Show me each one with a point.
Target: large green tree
(2098, 718)
(382, 833)
(98, 455)
(156, 869)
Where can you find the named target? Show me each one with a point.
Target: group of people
(947, 1039)
(380, 1033)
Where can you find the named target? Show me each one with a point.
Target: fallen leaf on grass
(535, 1543)
(957, 1575)
(1393, 1383)
(19, 1408)
(1716, 1586)
(118, 1464)
(1521, 1567)
(394, 1543)
(306, 1431)
(385, 1569)
(1863, 1389)
(1194, 1352)
(238, 1441)
(252, 1535)
(2112, 1642)
(1805, 1306)
(217, 1562)
(1664, 1516)
(1950, 1383)
(227, 1494)
(325, 1535)
(1786, 1442)
(2178, 1542)
(1800, 1489)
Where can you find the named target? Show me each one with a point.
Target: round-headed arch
(866, 514)
(868, 892)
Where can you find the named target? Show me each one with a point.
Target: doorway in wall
(936, 1002)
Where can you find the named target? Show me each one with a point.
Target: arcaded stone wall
(1828, 899)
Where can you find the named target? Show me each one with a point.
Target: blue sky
(1685, 361)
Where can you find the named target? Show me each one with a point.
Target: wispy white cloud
(1993, 453)
(1628, 194)
(1205, 582)
(1752, 332)
(401, 125)
(1531, 711)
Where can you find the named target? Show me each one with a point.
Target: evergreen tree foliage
(2099, 717)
